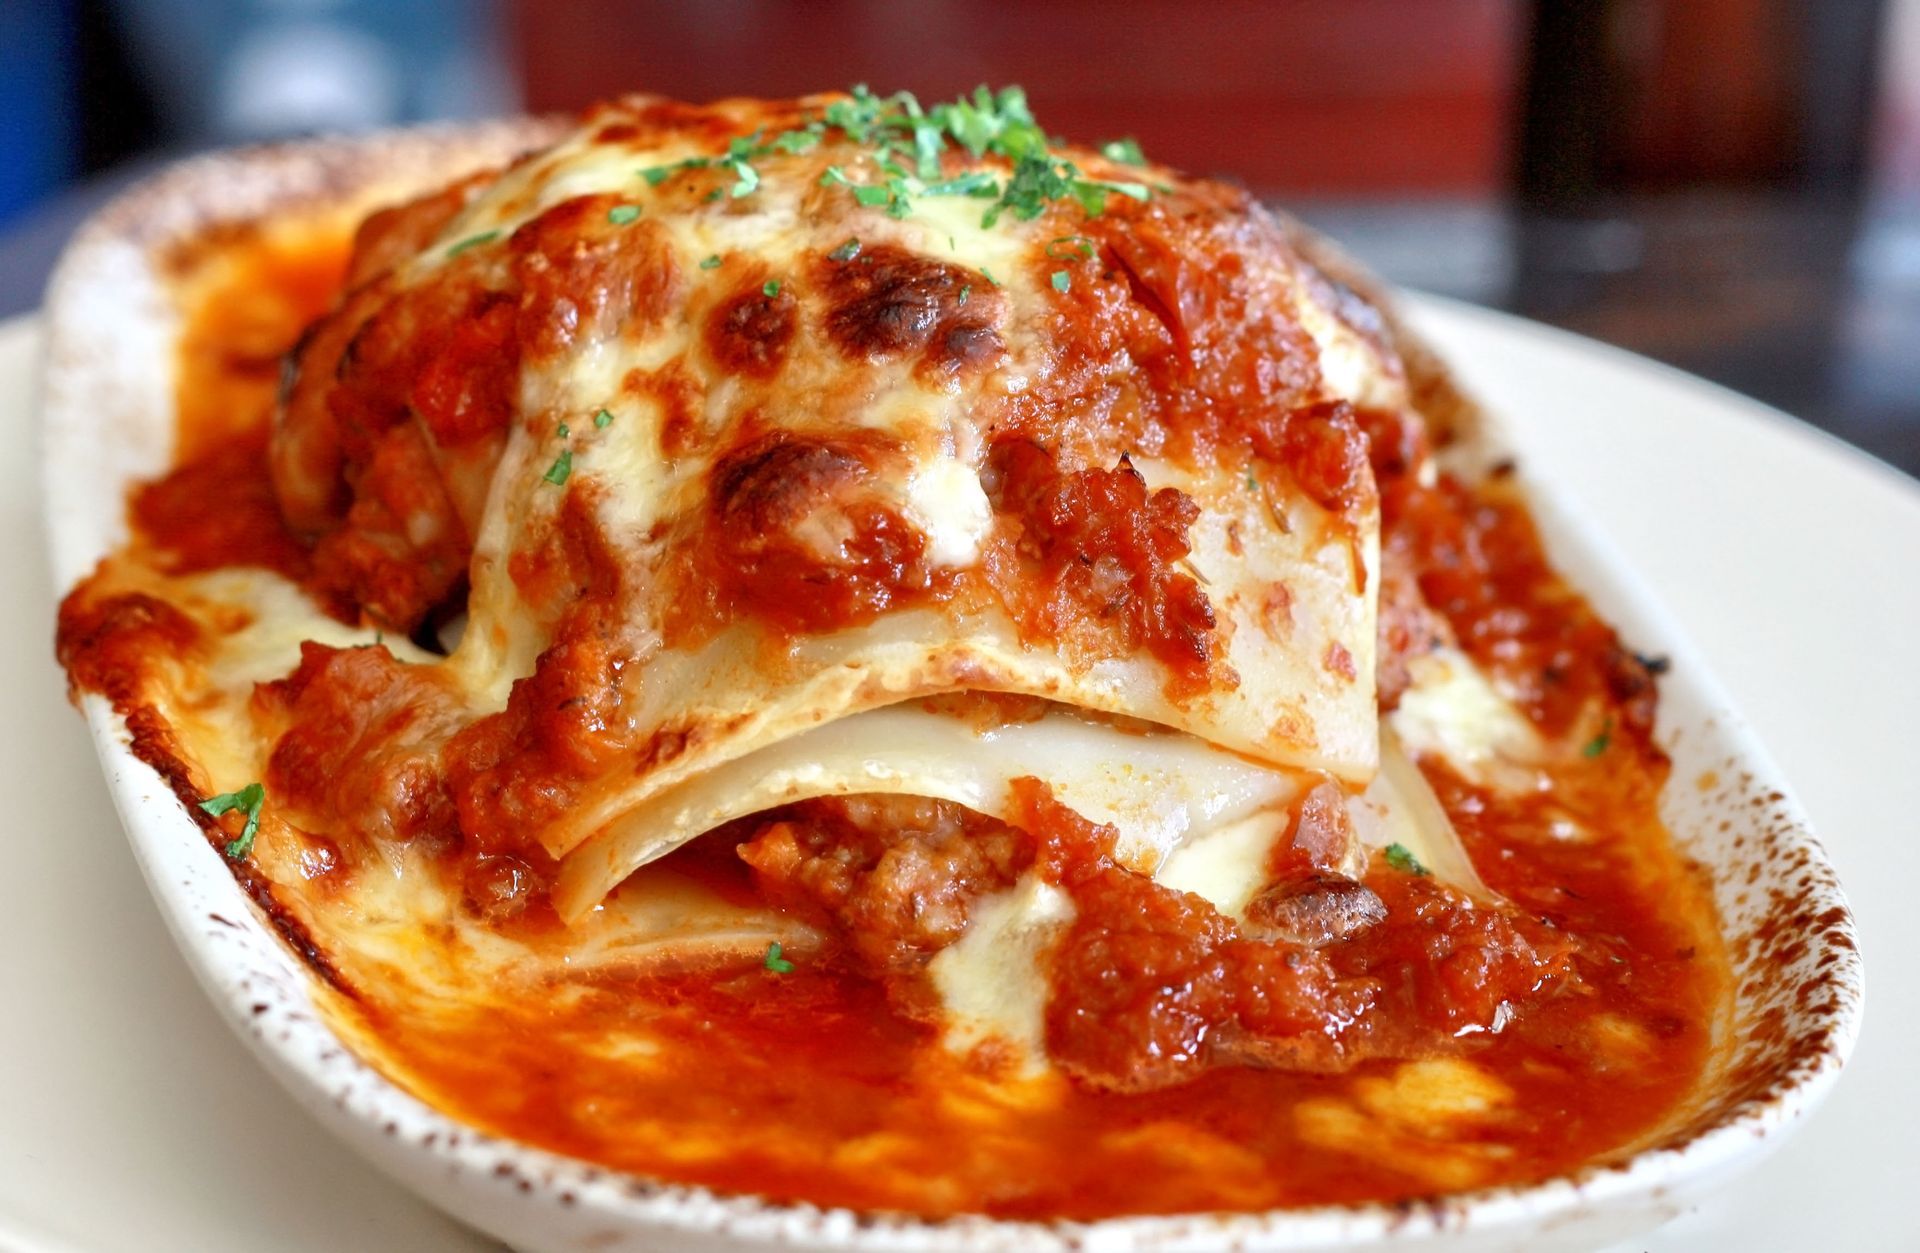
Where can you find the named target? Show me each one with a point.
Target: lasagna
(852, 652)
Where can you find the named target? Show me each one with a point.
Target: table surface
(124, 1072)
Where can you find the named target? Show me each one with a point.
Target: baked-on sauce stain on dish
(1326, 866)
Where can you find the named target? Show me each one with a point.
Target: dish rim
(260, 992)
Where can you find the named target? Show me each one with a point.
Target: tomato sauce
(252, 293)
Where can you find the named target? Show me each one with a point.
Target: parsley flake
(1401, 858)
(661, 173)
(770, 288)
(562, 467)
(249, 799)
(1598, 744)
(1126, 151)
(975, 183)
(1067, 247)
(473, 241)
(711, 263)
(621, 214)
(796, 141)
(988, 275)
(602, 420)
(776, 963)
(1062, 280)
(845, 252)
(746, 178)
(966, 289)
(562, 431)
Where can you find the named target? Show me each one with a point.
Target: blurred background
(1732, 186)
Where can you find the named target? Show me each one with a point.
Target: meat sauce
(1205, 1074)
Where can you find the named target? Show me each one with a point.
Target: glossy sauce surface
(817, 1085)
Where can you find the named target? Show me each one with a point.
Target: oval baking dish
(108, 423)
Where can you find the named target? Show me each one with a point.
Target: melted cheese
(945, 499)
(1453, 710)
(992, 983)
(1226, 867)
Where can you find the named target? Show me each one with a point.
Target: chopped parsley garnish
(907, 148)
(776, 963)
(1038, 181)
(473, 241)
(845, 252)
(711, 263)
(1253, 484)
(621, 214)
(770, 288)
(1598, 744)
(562, 467)
(1067, 247)
(988, 275)
(1126, 151)
(602, 420)
(562, 431)
(249, 798)
(966, 289)
(1062, 280)
(1401, 858)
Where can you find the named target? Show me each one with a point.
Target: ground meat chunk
(360, 755)
(1106, 555)
(1148, 983)
(895, 876)
(1318, 910)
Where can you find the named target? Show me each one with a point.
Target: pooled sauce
(813, 1085)
(818, 1081)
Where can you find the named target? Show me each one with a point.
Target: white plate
(128, 1118)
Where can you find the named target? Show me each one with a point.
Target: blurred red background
(1358, 96)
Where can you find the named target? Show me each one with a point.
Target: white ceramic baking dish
(108, 422)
